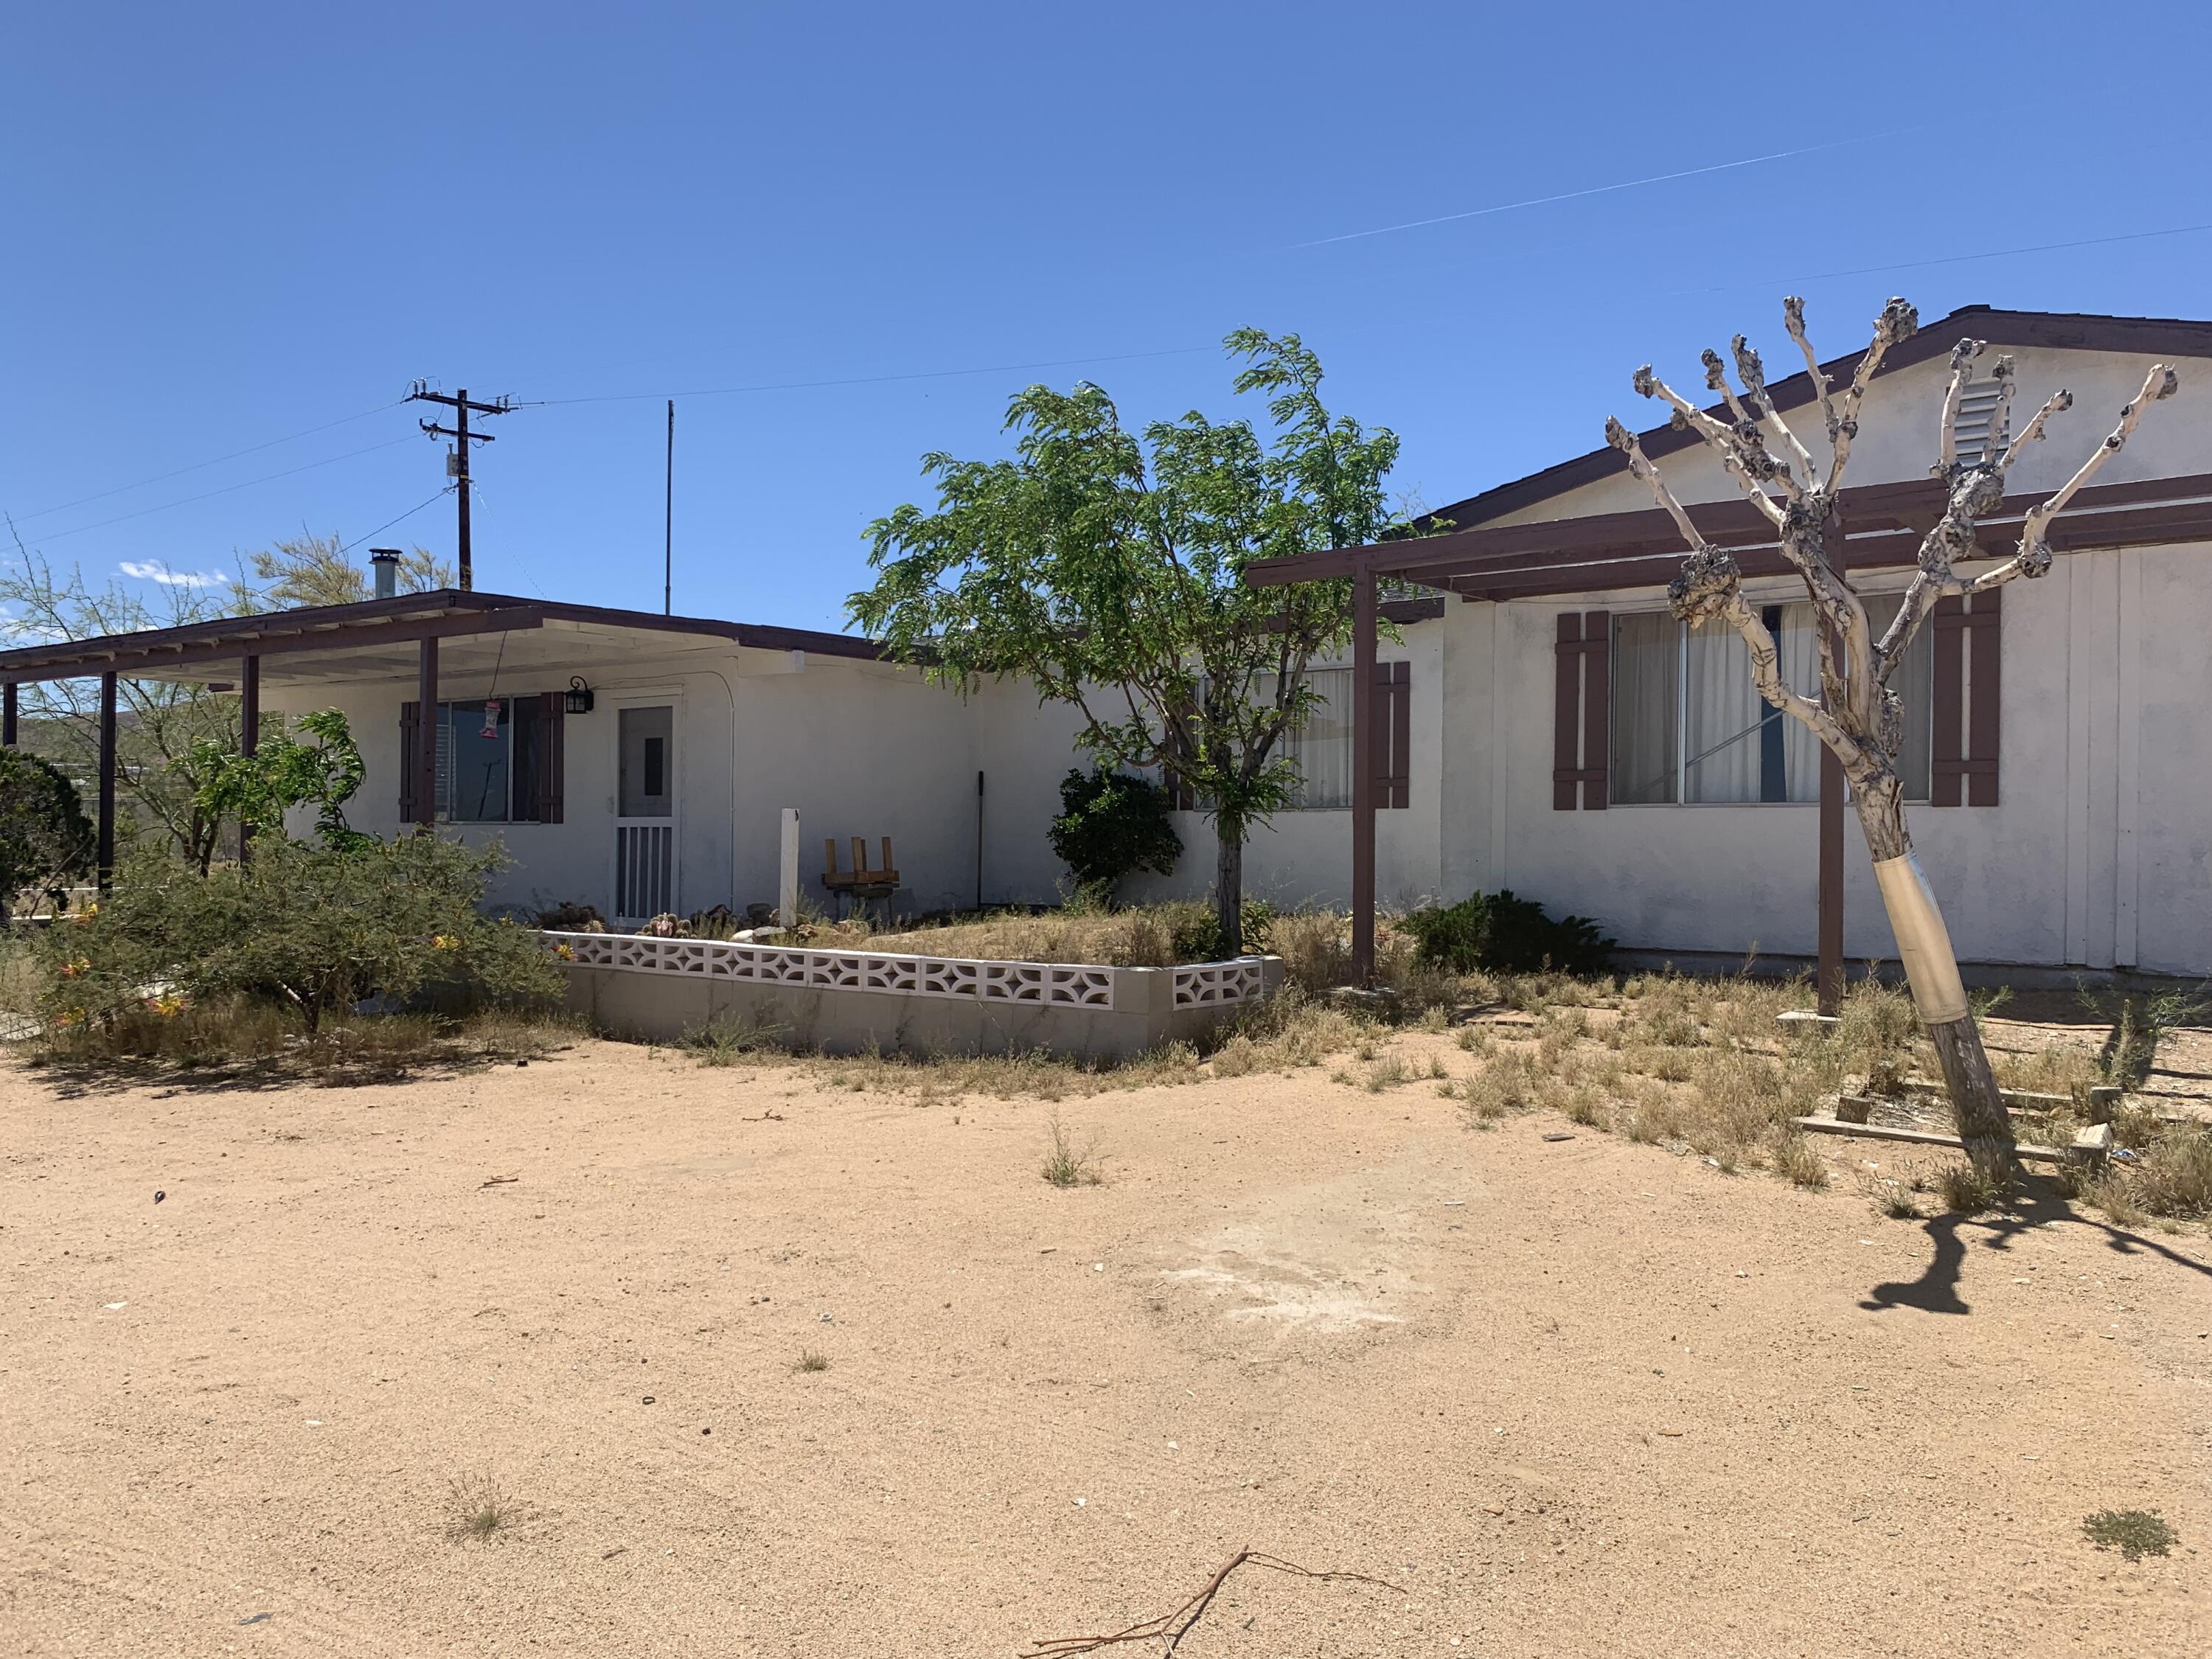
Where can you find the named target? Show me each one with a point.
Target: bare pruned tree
(1858, 716)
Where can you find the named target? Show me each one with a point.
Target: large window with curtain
(1688, 726)
(1323, 747)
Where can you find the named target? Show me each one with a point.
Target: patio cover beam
(70, 662)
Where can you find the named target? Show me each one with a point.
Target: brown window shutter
(1983, 626)
(411, 722)
(1597, 706)
(552, 757)
(1945, 760)
(1401, 733)
(1391, 721)
(1566, 711)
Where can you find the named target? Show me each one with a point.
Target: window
(1689, 726)
(493, 757)
(1322, 748)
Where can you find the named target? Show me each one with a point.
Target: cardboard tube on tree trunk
(1923, 943)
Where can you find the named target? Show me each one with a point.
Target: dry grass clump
(477, 1508)
(242, 1036)
(1798, 1161)
(2174, 1176)
(1112, 938)
(1066, 1164)
(1966, 1190)
(2059, 1069)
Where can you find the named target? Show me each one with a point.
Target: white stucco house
(1541, 723)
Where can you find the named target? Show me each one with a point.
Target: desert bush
(45, 839)
(2174, 1177)
(309, 931)
(1505, 934)
(1111, 826)
(1796, 1158)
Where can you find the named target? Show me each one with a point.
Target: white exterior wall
(860, 748)
(2099, 851)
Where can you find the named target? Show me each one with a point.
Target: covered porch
(1606, 554)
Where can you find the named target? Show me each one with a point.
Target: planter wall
(881, 1002)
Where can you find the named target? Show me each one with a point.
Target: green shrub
(309, 931)
(1501, 933)
(1194, 932)
(45, 840)
(1112, 825)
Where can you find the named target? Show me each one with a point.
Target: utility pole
(668, 524)
(463, 438)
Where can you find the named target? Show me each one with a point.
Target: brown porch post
(1362, 773)
(249, 732)
(8, 713)
(104, 854)
(426, 738)
(1831, 977)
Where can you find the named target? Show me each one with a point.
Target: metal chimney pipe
(386, 560)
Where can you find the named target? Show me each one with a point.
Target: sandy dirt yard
(1572, 1396)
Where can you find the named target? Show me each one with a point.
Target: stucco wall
(2098, 854)
(858, 748)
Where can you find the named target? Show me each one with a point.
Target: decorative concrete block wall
(881, 1002)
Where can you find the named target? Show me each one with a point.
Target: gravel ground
(1569, 1397)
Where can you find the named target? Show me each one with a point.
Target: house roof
(374, 636)
(2152, 337)
(378, 639)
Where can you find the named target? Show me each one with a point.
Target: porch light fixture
(577, 700)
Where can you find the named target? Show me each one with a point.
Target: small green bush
(1194, 931)
(1111, 826)
(309, 931)
(45, 840)
(1502, 933)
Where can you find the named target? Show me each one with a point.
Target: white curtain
(1646, 654)
(1322, 748)
(1798, 647)
(1722, 736)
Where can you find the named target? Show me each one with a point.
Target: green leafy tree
(312, 570)
(1103, 566)
(45, 839)
(312, 930)
(284, 773)
(1112, 824)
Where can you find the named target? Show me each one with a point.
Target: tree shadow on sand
(1937, 1289)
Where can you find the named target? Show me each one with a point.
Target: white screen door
(645, 813)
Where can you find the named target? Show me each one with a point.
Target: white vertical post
(786, 884)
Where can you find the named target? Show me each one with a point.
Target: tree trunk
(1931, 969)
(1229, 887)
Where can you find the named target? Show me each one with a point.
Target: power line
(226, 490)
(1605, 189)
(1953, 259)
(863, 379)
(201, 466)
(388, 523)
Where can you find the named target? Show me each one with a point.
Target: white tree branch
(1962, 371)
(1792, 319)
(1753, 374)
(1898, 322)
(1745, 468)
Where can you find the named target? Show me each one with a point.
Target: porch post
(8, 712)
(104, 854)
(1831, 977)
(249, 732)
(1363, 772)
(426, 738)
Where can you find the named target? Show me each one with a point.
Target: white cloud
(152, 570)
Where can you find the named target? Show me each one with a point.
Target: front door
(645, 813)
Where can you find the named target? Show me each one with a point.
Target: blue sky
(230, 224)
